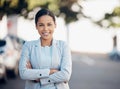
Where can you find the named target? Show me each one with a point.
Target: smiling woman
(45, 27)
(45, 63)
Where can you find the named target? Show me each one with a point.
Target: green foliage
(116, 11)
(52, 4)
(9, 7)
(24, 7)
(113, 19)
(61, 8)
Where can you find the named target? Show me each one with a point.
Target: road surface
(89, 72)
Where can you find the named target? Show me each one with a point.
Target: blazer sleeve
(65, 71)
(30, 74)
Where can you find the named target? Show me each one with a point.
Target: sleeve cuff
(44, 73)
(45, 81)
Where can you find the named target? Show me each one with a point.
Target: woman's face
(45, 27)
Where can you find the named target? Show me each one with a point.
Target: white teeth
(45, 33)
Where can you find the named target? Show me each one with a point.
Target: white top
(46, 57)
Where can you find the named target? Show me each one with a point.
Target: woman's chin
(46, 38)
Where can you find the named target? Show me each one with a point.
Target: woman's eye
(49, 24)
(40, 25)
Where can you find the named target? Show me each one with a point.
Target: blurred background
(91, 28)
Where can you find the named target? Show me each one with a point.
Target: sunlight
(86, 37)
(97, 8)
(3, 27)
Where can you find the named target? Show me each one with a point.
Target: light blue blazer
(61, 59)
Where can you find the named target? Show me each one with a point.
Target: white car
(11, 62)
(3, 75)
(12, 55)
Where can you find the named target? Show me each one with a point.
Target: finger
(29, 64)
(65, 82)
(38, 80)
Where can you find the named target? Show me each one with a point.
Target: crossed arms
(45, 76)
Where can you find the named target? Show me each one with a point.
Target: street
(89, 72)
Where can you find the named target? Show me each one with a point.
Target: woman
(45, 63)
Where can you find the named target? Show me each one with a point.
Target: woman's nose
(45, 28)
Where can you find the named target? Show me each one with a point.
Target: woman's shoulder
(62, 45)
(61, 42)
(29, 43)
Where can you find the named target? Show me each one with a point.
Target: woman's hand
(53, 71)
(28, 65)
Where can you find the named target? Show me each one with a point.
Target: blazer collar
(38, 52)
(38, 42)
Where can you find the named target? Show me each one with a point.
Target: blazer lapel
(54, 60)
(38, 52)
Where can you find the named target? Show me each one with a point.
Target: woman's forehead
(45, 18)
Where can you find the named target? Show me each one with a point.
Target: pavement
(94, 71)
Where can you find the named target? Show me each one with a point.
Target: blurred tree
(62, 8)
(10, 7)
(70, 10)
(111, 19)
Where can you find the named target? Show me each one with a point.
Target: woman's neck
(46, 42)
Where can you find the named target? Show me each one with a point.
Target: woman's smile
(45, 33)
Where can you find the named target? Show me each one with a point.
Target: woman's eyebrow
(43, 23)
(40, 23)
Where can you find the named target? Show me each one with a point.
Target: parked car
(12, 55)
(3, 75)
